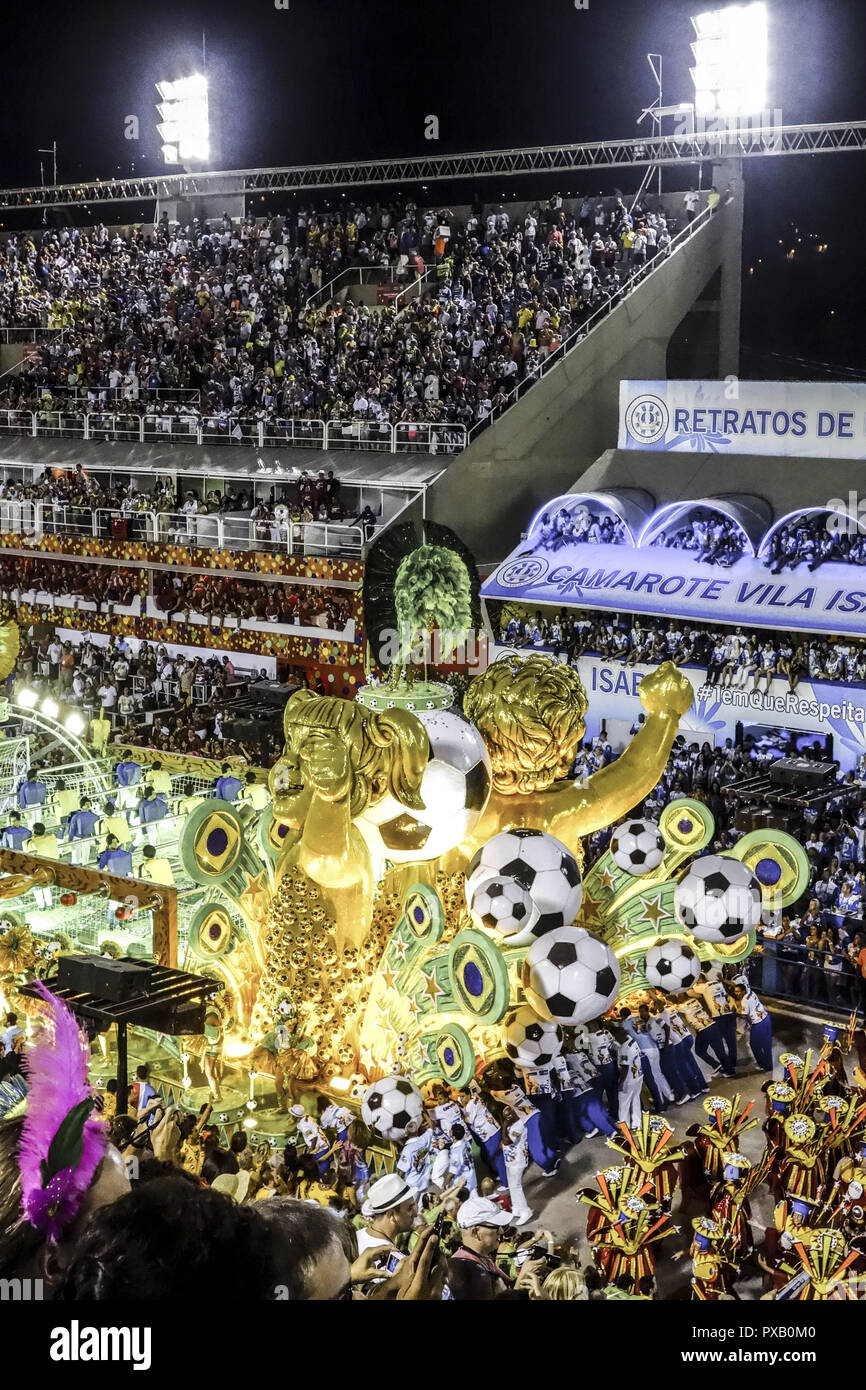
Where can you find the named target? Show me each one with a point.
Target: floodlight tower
(184, 128)
(730, 67)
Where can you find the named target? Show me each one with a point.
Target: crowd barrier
(405, 437)
(204, 530)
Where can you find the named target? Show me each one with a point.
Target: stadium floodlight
(28, 698)
(75, 724)
(184, 128)
(730, 52)
(50, 708)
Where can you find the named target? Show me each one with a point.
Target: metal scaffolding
(735, 142)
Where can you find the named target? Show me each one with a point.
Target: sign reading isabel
(795, 419)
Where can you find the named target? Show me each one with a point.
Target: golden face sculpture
(336, 749)
(530, 714)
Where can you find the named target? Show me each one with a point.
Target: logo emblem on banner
(647, 419)
(517, 574)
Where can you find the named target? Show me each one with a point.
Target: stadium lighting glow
(730, 52)
(28, 698)
(75, 724)
(185, 128)
(50, 708)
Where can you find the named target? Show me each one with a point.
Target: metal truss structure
(735, 141)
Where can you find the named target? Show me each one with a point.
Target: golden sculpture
(329, 921)
(531, 717)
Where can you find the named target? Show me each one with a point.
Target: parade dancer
(515, 1150)
(540, 1151)
(647, 1149)
(488, 1133)
(749, 1006)
(713, 1270)
(649, 1059)
(713, 1141)
(714, 995)
(630, 1078)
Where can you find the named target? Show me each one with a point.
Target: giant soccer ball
(391, 1105)
(718, 899)
(454, 789)
(671, 966)
(542, 865)
(502, 905)
(570, 976)
(530, 1041)
(637, 846)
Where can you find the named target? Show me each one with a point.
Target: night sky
(327, 80)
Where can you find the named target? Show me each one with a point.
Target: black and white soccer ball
(530, 1041)
(391, 1105)
(502, 905)
(542, 865)
(637, 846)
(454, 788)
(570, 976)
(718, 899)
(671, 966)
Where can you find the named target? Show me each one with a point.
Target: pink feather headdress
(61, 1142)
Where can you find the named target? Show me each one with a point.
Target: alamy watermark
(847, 517)
(469, 648)
(763, 127)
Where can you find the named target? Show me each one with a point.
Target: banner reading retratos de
(790, 418)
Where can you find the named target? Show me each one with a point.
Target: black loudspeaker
(114, 980)
(800, 772)
(185, 1016)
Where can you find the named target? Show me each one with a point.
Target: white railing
(422, 436)
(27, 333)
(205, 530)
(353, 275)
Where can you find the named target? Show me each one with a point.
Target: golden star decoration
(400, 947)
(388, 977)
(431, 988)
(653, 912)
(255, 896)
(413, 1007)
(607, 878)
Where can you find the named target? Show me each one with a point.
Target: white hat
(234, 1185)
(481, 1211)
(297, 1110)
(385, 1194)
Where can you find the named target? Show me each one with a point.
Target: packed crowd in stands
(733, 658)
(814, 541)
(75, 495)
(713, 538)
(176, 595)
(139, 691)
(105, 586)
(578, 525)
(219, 599)
(217, 318)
